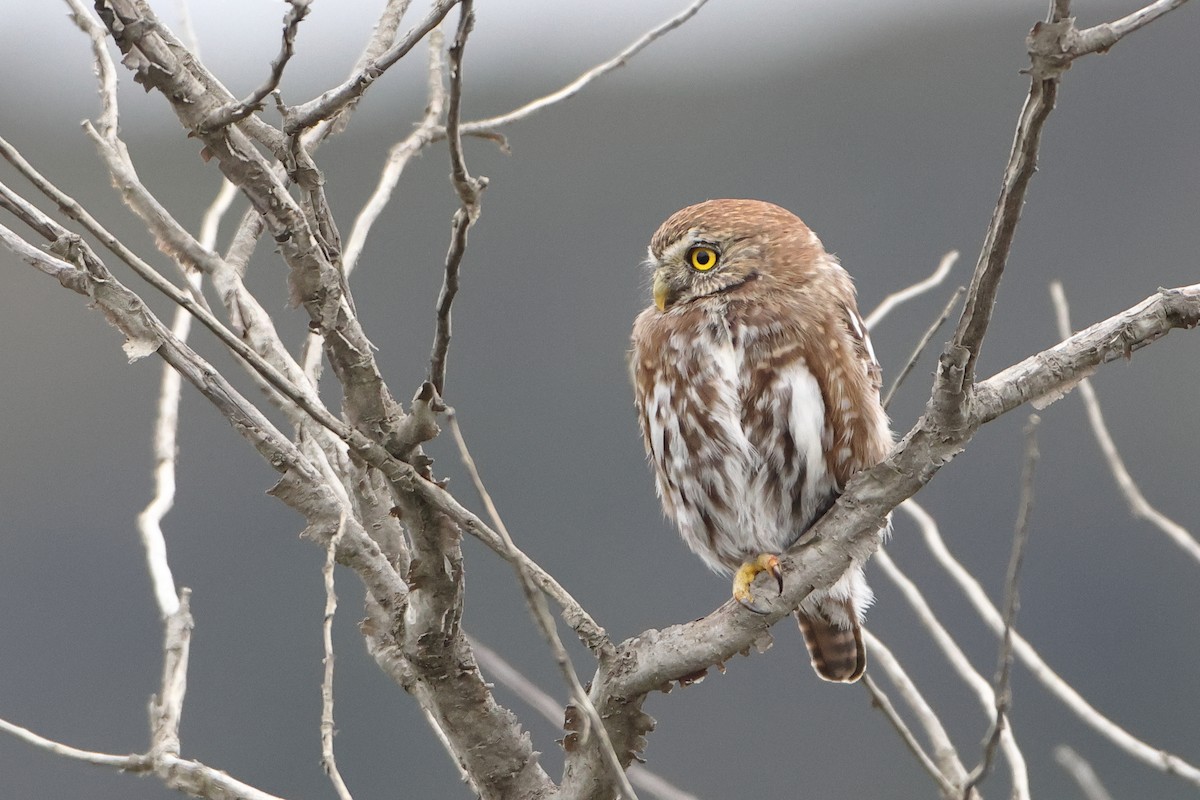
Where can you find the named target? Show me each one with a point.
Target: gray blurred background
(884, 125)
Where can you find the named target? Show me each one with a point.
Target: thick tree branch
(160, 62)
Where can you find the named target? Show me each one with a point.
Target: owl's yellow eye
(702, 258)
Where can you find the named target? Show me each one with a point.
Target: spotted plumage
(758, 396)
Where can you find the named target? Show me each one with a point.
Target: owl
(757, 392)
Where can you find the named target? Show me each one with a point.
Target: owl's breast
(736, 451)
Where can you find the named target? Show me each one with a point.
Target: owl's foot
(743, 579)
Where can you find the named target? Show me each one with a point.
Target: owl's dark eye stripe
(702, 258)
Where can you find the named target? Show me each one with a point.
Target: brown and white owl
(758, 396)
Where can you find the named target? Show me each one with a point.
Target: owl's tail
(835, 642)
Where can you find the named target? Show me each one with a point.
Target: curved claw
(750, 605)
(744, 578)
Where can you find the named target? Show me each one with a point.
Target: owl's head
(729, 247)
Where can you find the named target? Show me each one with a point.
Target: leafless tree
(372, 498)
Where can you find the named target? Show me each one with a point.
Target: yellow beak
(660, 290)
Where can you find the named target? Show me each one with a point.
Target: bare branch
(1132, 746)
(880, 700)
(167, 708)
(850, 530)
(962, 351)
(160, 62)
(1053, 45)
(1079, 769)
(962, 665)
(236, 112)
(1035, 381)
(163, 759)
(1138, 505)
(590, 633)
(106, 71)
(1101, 37)
(331, 102)
(543, 620)
(483, 126)
(166, 425)
(191, 776)
(125, 763)
(916, 290)
(926, 338)
(1002, 691)
(508, 676)
(468, 189)
(399, 156)
(328, 762)
(301, 487)
(944, 755)
(299, 394)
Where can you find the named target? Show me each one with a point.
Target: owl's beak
(662, 290)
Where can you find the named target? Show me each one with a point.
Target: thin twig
(1138, 505)
(1003, 692)
(328, 762)
(302, 487)
(301, 395)
(106, 71)
(1151, 756)
(389, 177)
(186, 775)
(543, 619)
(945, 757)
(962, 665)
(926, 338)
(916, 290)
(1079, 769)
(880, 700)
(506, 674)
(236, 112)
(400, 154)
(468, 189)
(440, 734)
(128, 762)
(149, 522)
(333, 101)
(1100, 38)
(166, 426)
(574, 87)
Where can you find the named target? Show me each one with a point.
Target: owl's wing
(818, 421)
(862, 344)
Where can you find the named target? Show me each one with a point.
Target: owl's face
(718, 247)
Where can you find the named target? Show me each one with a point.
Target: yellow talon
(743, 579)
